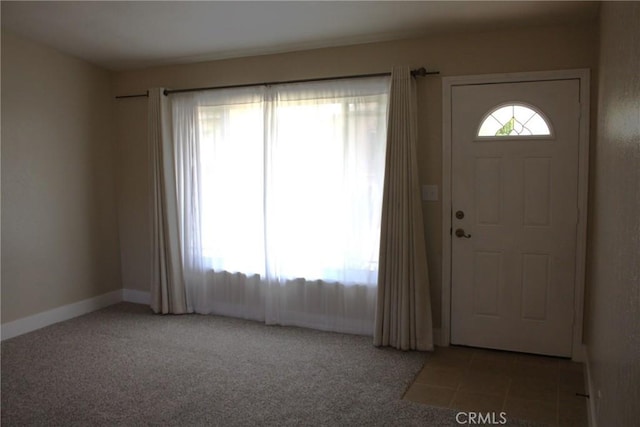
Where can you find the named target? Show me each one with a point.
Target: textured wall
(59, 224)
(613, 314)
(532, 49)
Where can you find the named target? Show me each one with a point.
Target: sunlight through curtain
(280, 195)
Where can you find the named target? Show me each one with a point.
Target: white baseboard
(60, 314)
(591, 401)
(138, 297)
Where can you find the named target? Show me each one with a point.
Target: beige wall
(613, 315)
(533, 49)
(59, 228)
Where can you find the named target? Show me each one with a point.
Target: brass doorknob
(460, 233)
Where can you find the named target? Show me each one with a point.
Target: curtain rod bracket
(422, 72)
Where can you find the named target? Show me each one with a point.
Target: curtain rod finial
(421, 72)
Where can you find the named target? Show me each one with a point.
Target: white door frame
(583, 178)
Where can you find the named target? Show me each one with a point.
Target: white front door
(514, 215)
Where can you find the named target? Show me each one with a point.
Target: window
(514, 120)
(231, 167)
(289, 179)
(279, 193)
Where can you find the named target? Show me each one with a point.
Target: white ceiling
(135, 34)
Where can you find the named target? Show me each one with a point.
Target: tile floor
(529, 387)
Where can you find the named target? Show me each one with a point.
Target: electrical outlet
(430, 193)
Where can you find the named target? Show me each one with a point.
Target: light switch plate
(430, 193)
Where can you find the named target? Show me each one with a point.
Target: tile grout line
(506, 395)
(463, 373)
(455, 393)
(558, 396)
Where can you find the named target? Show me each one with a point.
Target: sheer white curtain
(280, 192)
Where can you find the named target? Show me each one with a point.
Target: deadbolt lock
(459, 214)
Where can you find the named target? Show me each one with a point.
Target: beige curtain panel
(403, 314)
(168, 293)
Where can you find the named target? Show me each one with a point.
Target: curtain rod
(420, 72)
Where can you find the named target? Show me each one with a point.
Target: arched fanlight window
(514, 120)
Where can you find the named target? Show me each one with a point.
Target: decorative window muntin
(515, 120)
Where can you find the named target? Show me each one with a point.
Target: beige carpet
(125, 366)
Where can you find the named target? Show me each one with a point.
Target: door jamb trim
(583, 75)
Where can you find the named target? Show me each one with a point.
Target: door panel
(513, 268)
